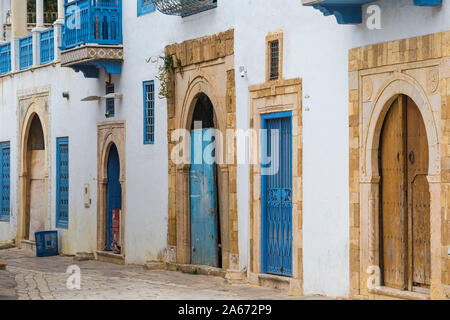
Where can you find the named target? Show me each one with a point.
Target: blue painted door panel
(203, 200)
(277, 196)
(114, 193)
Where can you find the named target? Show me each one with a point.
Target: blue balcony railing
(26, 52)
(92, 21)
(47, 46)
(5, 58)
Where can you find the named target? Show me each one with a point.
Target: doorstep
(106, 256)
(231, 276)
(399, 294)
(3, 264)
(28, 245)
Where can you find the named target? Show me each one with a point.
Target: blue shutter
(62, 183)
(149, 112)
(5, 207)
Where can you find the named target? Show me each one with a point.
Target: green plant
(166, 70)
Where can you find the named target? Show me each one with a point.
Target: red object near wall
(116, 226)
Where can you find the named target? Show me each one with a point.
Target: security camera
(242, 71)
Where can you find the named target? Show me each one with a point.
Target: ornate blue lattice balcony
(350, 11)
(183, 8)
(92, 36)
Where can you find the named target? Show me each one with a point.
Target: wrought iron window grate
(183, 7)
(274, 59)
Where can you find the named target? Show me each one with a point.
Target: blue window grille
(5, 207)
(26, 52)
(145, 6)
(47, 44)
(92, 21)
(110, 108)
(5, 58)
(62, 183)
(149, 112)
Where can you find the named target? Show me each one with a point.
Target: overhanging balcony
(350, 11)
(183, 8)
(92, 36)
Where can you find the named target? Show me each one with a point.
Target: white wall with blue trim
(315, 49)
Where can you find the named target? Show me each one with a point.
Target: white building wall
(315, 49)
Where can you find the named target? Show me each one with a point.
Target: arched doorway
(36, 201)
(113, 202)
(205, 239)
(405, 255)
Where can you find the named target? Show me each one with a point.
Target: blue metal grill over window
(184, 8)
(26, 52)
(145, 6)
(92, 21)
(149, 112)
(62, 182)
(47, 44)
(5, 58)
(5, 181)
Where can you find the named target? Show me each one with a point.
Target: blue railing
(26, 52)
(92, 21)
(47, 46)
(5, 58)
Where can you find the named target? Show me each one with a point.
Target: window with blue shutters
(144, 7)
(62, 183)
(5, 204)
(149, 112)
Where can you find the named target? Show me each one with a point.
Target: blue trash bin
(46, 243)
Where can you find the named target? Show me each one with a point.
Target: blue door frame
(114, 193)
(276, 196)
(203, 201)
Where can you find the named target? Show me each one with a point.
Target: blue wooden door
(114, 193)
(276, 194)
(203, 201)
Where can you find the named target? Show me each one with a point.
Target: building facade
(353, 94)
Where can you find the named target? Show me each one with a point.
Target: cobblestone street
(29, 277)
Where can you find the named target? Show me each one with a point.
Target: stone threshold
(400, 294)
(3, 264)
(232, 276)
(274, 281)
(28, 245)
(105, 256)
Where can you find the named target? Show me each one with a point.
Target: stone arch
(110, 133)
(396, 85)
(33, 110)
(198, 86)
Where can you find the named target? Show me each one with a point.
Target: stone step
(154, 265)
(28, 245)
(3, 264)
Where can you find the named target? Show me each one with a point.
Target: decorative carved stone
(367, 89)
(432, 80)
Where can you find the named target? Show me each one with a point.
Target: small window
(144, 7)
(62, 183)
(149, 112)
(274, 59)
(110, 112)
(5, 207)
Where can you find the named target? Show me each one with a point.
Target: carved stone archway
(109, 133)
(31, 107)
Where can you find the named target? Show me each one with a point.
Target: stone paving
(28, 277)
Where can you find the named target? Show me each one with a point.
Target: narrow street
(28, 277)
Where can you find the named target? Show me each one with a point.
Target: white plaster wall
(315, 49)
